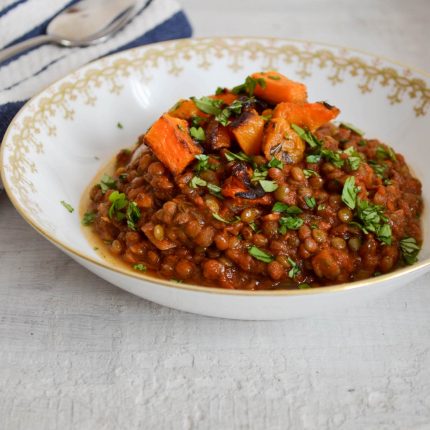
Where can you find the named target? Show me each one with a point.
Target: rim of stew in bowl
(64, 135)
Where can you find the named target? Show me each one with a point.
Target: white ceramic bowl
(63, 136)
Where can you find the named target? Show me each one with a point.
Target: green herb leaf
(274, 78)
(362, 143)
(349, 192)
(215, 190)
(107, 183)
(309, 172)
(307, 136)
(197, 133)
(119, 125)
(253, 226)
(249, 86)
(67, 206)
(352, 128)
(289, 223)
(208, 105)
(384, 234)
(231, 156)
(354, 158)
(303, 286)
(119, 201)
(132, 215)
(259, 254)
(409, 249)
(268, 186)
(386, 153)
(310, 202)
(257, 175)
(140, 267)
(313, 158)
(88, 218)
(197, 182)
(282, 207)
(220, 218)
(295, 269)
(379, 169)
(321, 207)
(219, 91)
(332, 156)
(196, 120)
(274, 162)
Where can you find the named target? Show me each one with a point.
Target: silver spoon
(87, 22)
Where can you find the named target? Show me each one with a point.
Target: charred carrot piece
(281, 142)
(186, 109)
(308, 115)
(248, 130)
(217, 136)
(278, 88)
(171, 142)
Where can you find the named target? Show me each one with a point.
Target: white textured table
(78, 353)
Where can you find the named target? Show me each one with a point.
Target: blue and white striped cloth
(27, 74)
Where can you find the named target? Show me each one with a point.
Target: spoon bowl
(85, 23)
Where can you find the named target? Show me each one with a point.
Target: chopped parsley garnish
(309, 172)
(310, 202)
(215, 190)
(107, 183)
(282, 207)
(133, 215)
(119, 201)
(196, 121)
(313, 158)
(379, 169)
(295, 269)
(372, 219)
(235, 108)
(352, 128)
(354, 158)
(140, 267)
(219, 91)
(231, 156)
(197, 182)
(257, 175)
(249, 86)
(349, 192)
(321, 207)
(88, 218)
(332, 156)
(220, 218)
(119, 125)
(259, 254)
(362, 143)
(67, 206)
(268, 186)
(307, 136)
(123, 176)
(197, 133)
(253, 226)
(303, 286)
(289, 223)
(386, 153)
(409, 249)
(274, 162)
(208, 105)
(203, 163)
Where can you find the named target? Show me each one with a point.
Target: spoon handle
(13, 50)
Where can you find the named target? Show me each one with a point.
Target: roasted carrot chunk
(217, 136)
(278, 88)
(308, 115)
(248, 130)
(171, 142)
(185, 109)
(281, 142)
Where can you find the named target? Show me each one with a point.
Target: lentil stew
(255, 188)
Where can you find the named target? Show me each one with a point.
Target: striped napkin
(28, 73)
